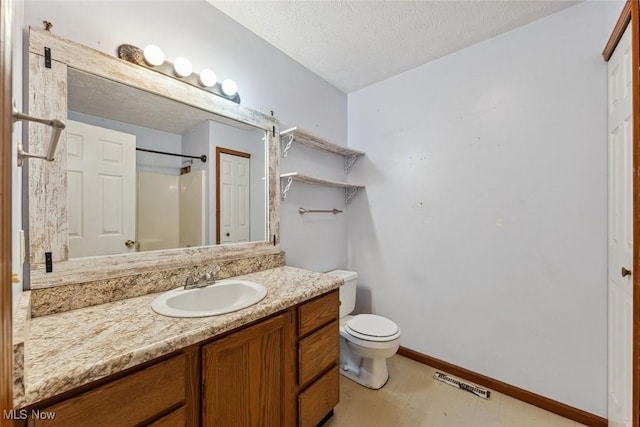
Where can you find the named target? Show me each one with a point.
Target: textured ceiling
(353, 44)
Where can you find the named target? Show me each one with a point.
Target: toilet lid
(372, 325)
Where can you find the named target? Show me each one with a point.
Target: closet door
(6, 165)
(620, 284)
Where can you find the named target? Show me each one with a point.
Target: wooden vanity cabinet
(280, 372)
(318, 351)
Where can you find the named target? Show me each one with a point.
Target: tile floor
(412, 398)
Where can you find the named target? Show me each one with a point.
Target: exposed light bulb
(229, 87)
(207, 78)
(182, 67)
(153, 55)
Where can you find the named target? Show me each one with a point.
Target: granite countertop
(66, 350)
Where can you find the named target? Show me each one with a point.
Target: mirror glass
(137, 178)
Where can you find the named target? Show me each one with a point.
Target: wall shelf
(310, 140)
(286, 179)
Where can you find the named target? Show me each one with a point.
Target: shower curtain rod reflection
(186, 156)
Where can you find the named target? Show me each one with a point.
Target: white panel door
(234, 199)
(620, 288)
(102, 190)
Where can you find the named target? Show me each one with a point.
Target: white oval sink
(224, 297)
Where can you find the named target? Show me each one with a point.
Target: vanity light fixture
(229, 87)
(207, 78)
(182, 67)
(153, 55)
(153, 58)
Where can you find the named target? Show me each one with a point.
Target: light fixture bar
(136, 56)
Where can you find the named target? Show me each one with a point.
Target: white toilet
(366, 340)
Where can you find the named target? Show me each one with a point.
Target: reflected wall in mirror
(124, 199)
(172, 202)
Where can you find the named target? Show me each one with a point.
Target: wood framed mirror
(51, 207)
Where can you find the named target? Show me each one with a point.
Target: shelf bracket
(349, 161)
(287, 187)
(350, 193)
(286, 148)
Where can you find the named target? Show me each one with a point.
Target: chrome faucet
(207, 279)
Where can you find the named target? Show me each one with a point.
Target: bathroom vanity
(272, 364)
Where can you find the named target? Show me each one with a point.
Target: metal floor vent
(454, 382)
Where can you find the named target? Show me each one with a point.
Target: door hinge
(48, 262)
(47, 57)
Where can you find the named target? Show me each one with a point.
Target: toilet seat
(371, 327)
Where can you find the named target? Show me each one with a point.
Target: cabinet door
(244, 376)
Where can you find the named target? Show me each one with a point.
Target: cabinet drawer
(318, 312)
(124, 402)
(173, 419)
(317, 400)
(317, 352)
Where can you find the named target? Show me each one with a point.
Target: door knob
(625, 272)
(129, 243)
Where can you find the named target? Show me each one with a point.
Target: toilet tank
(347, 291)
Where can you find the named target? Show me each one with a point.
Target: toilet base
(371, 373)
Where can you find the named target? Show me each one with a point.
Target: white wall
(267, 80)
(482, 232)
(314, 240)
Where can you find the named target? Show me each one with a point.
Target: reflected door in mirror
(234, 193)
(102, 190)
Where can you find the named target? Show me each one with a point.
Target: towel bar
(57, 126)
(333, 211)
